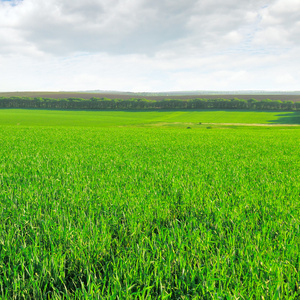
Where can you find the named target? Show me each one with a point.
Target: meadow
(28, 117)
(103, 205)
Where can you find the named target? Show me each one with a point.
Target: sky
(149, 45)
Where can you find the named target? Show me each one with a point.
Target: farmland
(110, 95)
(132, 205)
(23, 117)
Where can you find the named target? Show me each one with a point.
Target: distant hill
(258, 95)
(197, 92)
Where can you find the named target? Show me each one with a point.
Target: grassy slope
(119, 118)
(101, 213)
(168, 213)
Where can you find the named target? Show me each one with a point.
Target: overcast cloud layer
(146, 45)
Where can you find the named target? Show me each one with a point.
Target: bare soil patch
(218, 124)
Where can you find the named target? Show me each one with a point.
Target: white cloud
(126, 26)
(280, 24)
(149, 45)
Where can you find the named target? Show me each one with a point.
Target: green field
(93, 209)
(122, 118)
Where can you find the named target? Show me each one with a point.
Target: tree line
(146, 104)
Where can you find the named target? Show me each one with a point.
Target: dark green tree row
(144, 104)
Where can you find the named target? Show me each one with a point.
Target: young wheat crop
(149, 213)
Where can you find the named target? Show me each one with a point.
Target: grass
(122, 118)
(147, 213)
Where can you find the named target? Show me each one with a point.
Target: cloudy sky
(149, 45)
